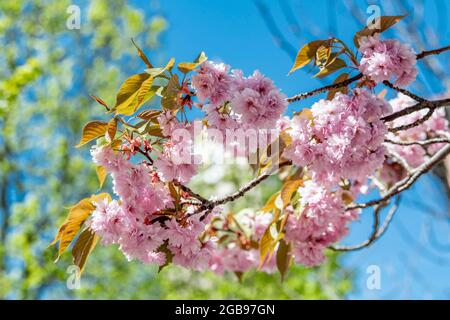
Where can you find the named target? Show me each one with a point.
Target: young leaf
(91, 131)
(266, 246)
(125, 100)
(270, 204)
(283, 258)
(385, 23)
(149, 115)
(111, 130)
(142, 55)
(100, 101)
(170, 93)
(75, 219)
(185, 67)
(101, 175)
(133, 93)
(83, 247)
(169, 255)
(322, 55)
(155, 72)
(333, 66)
(342, 77)
(288, 189)
(307, 54)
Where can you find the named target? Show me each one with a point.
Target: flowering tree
(325, 156)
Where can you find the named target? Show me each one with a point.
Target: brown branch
(242, 191)
(190, 192)
(377, 231)
(424, 54)
(344, 83)
(417, 107)
(404, 91)
(333, 86)
(408, 181)
(419, 142)
(208, 205)
(415, 123)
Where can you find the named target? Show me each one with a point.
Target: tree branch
(377, 231)
(344, 83)
(408, 181)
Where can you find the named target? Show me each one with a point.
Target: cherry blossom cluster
(320, 221)
(235, 101)
(338, 144)
(136, 223)
(239, 252)
(343, 139)
(383, 59)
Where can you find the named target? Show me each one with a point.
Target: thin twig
(408, 181)
(419, 142)
(377, 231)
(404, 91)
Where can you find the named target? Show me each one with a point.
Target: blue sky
(412, 264)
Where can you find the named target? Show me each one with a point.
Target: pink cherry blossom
(383, 59)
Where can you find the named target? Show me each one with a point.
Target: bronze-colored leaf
(169, 255)
(170, 94)
(142, 55)
(385, 23)
(307, 54)
(91, 131)
(322, 55)
(333, 66)
(284, 258)
(149, 115)
(83, 247)
(266, 245)
(270, 204)
(185, 67)
(154, 129)
(288, 189)
(111, 130)
(100, 101)
(75, 219)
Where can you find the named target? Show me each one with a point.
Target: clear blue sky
(412, 264)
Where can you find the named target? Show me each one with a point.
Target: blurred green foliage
(47, 74)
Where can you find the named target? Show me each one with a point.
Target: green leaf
(91, 131)
(307, 54)
(385, 23)
(185, 67)
(83, 247)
